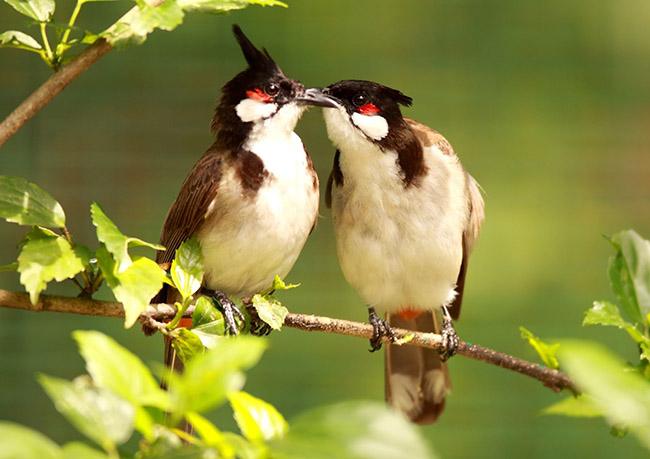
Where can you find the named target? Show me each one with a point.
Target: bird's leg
(380, 329)
(449, 337)
(229, 311)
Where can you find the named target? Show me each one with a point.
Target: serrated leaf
(187, 267)
(629, 273)
(582, 406)
(44, 258)
(17, 39)
(258, 420)
(545, 351)
(186, 344)
(25, 203)
(608, 314)
(622, 395)
(116, 242)
(39, 10)
(223, 6)
(135, 287)
(278, 284)
(205, 312)
(116, 368)
(270, 310)
(208, 377)
(18, 441)
(352, 430)
(97, 413)
(210, 435)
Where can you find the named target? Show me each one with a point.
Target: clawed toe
(380, 329)
(229, 312)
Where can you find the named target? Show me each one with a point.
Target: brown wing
(188, 211)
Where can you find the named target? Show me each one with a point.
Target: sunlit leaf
(545, 351)
(205, 312)
(270, 310)
(26, 204)
(352, 430)
(97, 413)
(258, 421)
(116, 242)
(44, 258)
(187, 267)
(78, 450)
(186, 344)
(210, 435)
(622, 395)
(223, 6)
(17, 39)
(629, 274)
(114, 367)
(135, 287)
(17, 441)
(582, 406)
(608, 314)
(39, 10)
(278, 284)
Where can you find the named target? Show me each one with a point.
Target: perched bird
(406, 216)
(252, 198)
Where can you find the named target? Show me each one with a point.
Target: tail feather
(417, 380)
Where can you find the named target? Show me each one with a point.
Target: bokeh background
(547, 104)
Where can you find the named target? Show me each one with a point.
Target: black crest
(257, 60)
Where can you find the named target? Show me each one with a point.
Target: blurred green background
(546, 103)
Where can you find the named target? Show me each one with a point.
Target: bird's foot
(257, 326)
(449, 344)
(229, 312)
(380, 329)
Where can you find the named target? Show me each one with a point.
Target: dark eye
(359, 100)
(272, 89)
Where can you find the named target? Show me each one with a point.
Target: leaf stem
(46, 43)
(181, 308)
(73, 19)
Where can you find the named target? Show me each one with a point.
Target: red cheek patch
(368, 109)
(258, 94)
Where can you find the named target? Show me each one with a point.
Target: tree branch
(155, 313)
(57, 82)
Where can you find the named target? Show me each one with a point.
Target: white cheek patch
(373, 126)
(254, 110)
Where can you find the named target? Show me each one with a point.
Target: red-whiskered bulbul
(252, 199)
(406, 216)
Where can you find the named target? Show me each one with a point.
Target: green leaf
(258, 421)
(582, 406)
(39, 10)
(352, 430)
(545, 351)
(205, 312)
(629, 274)
(135, 287)
(115, 368)
(97, 413)
(270, 310)
(278, 284)
(208, 377)
(44, 258)
(116, 242)
(186, 344)
(223, 6)
(210, 435)
(246, 449)
(18, 441)
(622, 395)
(26, 204)
(607, 314)
(187, 267)
(78, 450)
(17, 39)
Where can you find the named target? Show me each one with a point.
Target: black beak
(315, 96)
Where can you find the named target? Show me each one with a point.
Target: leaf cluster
(131, 29)
(611, 388)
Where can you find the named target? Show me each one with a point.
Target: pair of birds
(406, 214)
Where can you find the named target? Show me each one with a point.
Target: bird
(406, 216)
(252, 199)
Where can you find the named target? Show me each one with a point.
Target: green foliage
(545, 351)
(26, 204)
(616, 390)
(120, 398)
(132, 29)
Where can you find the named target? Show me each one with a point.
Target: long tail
(417, 380)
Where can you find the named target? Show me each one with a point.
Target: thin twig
(156, 313)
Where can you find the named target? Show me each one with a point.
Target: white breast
(251, 238)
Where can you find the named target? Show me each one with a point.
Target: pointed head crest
(257, 60)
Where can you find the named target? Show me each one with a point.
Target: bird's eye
(359, 100)
(272, 89)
